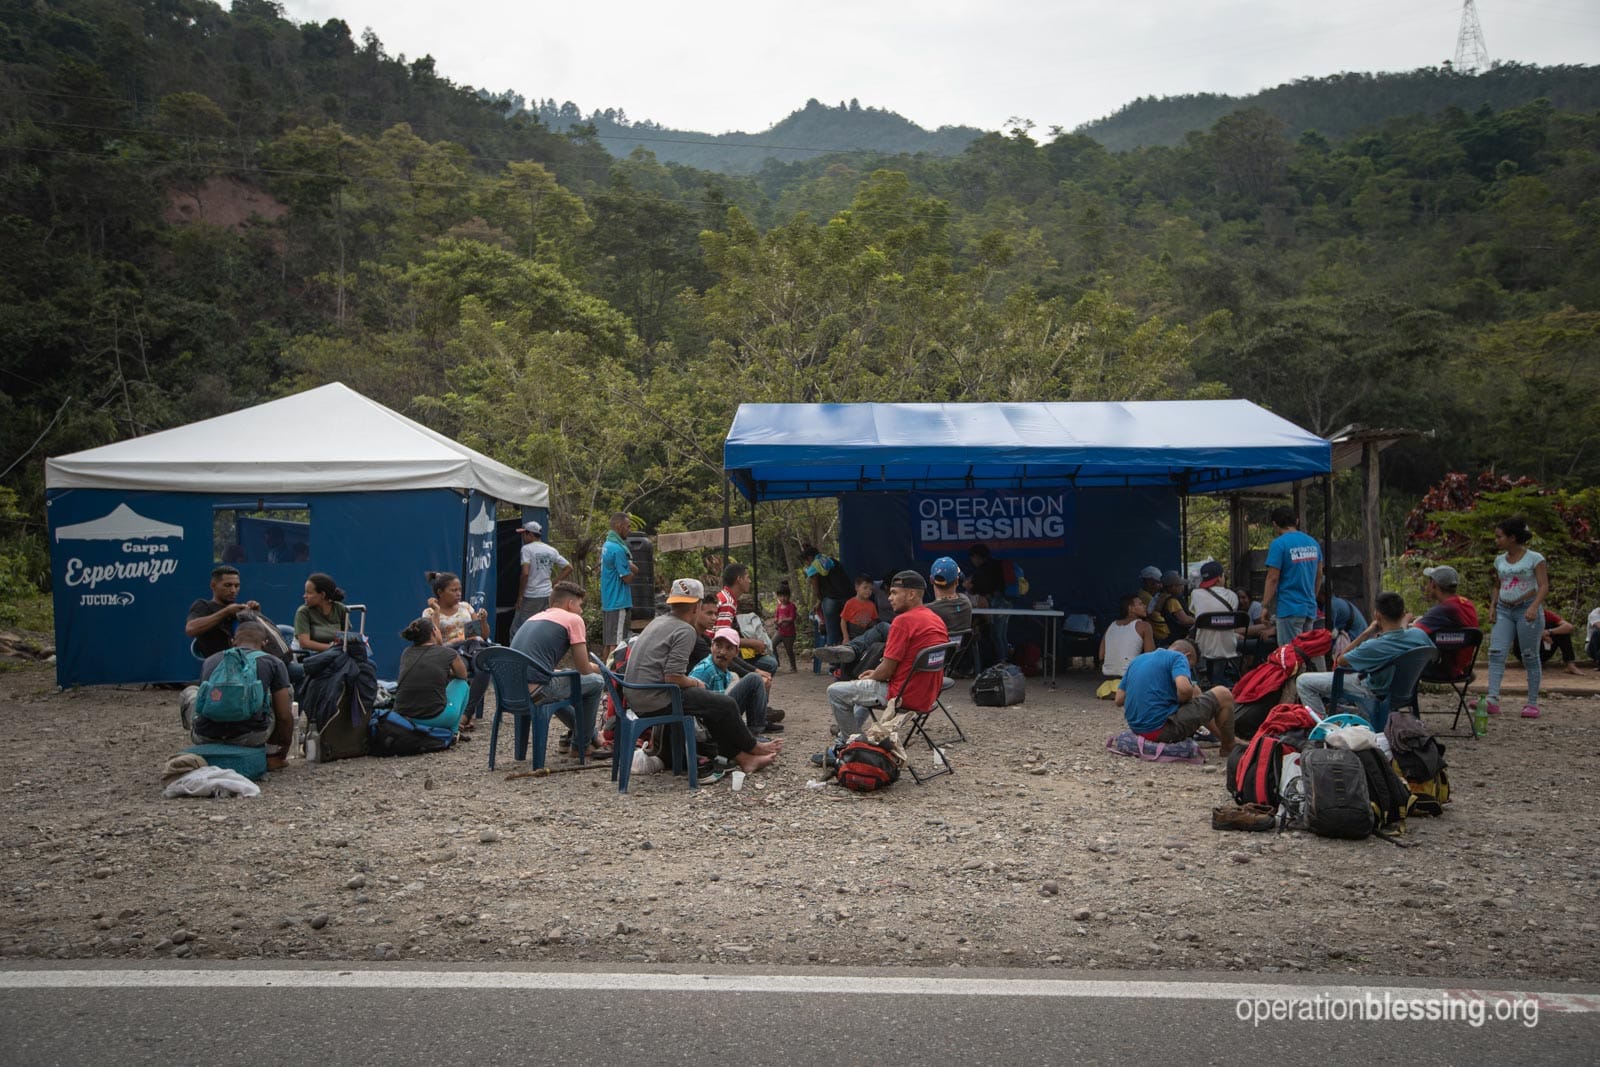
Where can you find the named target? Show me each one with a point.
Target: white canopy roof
(328, 439)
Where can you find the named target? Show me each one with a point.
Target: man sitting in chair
(660, 655)
(1373, 655)
(915, 628)
(555, 634)
(1449, 612)
(1160, 701)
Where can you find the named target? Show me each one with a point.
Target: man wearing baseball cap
(749, 692)
(949, 602)
(1218, 649)
(914, 628)
(539, 563)
(660, 655)
(1449, 612)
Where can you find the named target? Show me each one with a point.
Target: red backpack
(865, 767)
(1253, 771)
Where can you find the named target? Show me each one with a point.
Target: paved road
(372, 1014)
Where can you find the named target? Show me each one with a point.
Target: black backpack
(1390, 796)
(391, 734)
(1336, 800)
(999, 686)
(865, 767)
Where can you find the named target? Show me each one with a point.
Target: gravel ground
(1042, 850)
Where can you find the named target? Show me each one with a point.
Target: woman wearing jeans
(1516, 613)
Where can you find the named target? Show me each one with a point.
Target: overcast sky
(716, 65)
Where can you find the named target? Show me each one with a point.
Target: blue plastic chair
(508, 672)
(1408, 670)
(631, 727)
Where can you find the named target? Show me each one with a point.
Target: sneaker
(1530, 711)
(775, 714)
(837, 654)
(772, 727)
(1494, 708)
(825, 758)
(1206, 737)
(564, 745)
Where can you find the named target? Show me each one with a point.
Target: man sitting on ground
(554, 634)
(1174, 622)
(705, 625)
(1450, 611)
(735, 584)
(1161, 703)
(660, 655)
(271, 725)
(1372, 655)
(749, 692)
(212, 622)
(915, 628)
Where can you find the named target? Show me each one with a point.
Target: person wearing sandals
(1516, 611)
(432, 688)
(323, 617)
(554, 634)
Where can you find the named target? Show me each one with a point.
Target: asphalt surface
(375, 1015)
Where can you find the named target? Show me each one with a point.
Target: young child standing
(786, 617)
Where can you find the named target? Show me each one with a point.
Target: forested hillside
(814, 130)
(204, 209)
(1341, 105)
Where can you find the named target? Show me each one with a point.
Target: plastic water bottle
(313, 746)
(1480, 717)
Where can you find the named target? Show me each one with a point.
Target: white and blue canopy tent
(325, 480)
(1085, 494)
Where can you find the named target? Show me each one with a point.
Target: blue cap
(944, 570)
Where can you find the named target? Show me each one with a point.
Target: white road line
(770, 984)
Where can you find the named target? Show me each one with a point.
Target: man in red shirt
(735, 584)
(1449, 612)
(915, 627)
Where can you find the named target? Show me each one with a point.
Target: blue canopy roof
(790, 451)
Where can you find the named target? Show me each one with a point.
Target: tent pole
(1183, 533)
(755, 557)
(727, 504)
(1325, 595)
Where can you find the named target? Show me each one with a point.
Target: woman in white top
(1124, 639)
(1516, 611)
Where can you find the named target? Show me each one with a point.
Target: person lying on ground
(1130, 636)
(271, 725)
(555, 634)
(1370, 658)
(432, 688)
(660, 655)
(318, 624)
(749, 692)
(1161, 703)
(915, 628)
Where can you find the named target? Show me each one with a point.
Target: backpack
(391, 734)
(1336, 799)
(1016, 581)
(864, 767)
(999, 686)
(1391, 798)
(234, 692)
(1419, 759)
(1254, 771)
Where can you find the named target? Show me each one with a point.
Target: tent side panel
(1107, 535)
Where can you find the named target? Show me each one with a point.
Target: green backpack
(234, 692)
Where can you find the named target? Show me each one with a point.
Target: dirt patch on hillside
(436, 858)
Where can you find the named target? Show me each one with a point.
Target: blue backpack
(234, 692)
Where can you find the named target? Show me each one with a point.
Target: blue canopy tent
(325, 480)
(1086, 493)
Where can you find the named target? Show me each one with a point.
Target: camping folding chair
(931, 660)
(1408, 669)
(508, 673)
(631, 726)
(1449, 642)
(1220, 622)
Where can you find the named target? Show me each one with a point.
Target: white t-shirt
(1518, 582)
(1214, 644)
(1123, 642)
(541, 560)
(1594, 624)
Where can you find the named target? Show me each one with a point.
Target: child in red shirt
(861, 610)
(786, 616)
